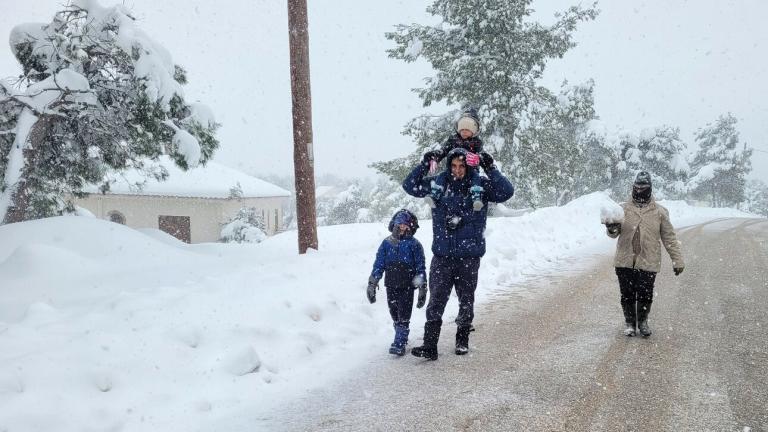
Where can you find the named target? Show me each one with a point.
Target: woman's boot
(643, 309)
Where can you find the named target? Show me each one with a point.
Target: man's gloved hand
(678, 270)
(435, 155)
(421, 284)
(373, 285)
(613, 228)
(486, 161)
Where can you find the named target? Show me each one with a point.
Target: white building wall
(206, 214)
(268, 206)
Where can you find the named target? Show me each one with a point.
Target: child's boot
(477, 197)
(435, 193)
(401, 340)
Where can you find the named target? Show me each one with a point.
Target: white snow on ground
(107, 328)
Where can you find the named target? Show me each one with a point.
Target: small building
(190, 205)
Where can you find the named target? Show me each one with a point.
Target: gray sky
(654, 62)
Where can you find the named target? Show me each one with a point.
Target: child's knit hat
(469, 121)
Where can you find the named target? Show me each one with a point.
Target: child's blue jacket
(406, 251)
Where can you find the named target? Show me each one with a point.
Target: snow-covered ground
(106, 328)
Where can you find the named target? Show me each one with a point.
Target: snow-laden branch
(15, 165)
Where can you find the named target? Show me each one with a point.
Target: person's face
(402, 228)
(641, 193)
(458, 168)
(465, 133)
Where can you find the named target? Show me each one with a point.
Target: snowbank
(107, 328)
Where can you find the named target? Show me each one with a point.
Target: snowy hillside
(106, 328)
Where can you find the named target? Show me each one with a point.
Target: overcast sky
(654, 62)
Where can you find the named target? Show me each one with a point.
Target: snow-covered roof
(210, 181)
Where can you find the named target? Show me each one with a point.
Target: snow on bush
(246, 227)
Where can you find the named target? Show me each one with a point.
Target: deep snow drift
(107, 328)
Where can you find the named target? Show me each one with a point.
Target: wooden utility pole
(303, 158)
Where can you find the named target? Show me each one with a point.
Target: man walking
(458, 242)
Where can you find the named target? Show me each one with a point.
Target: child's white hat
(468, 123)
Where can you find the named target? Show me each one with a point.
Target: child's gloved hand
(678, 270)
(486, 161)
(422, 295)
(373, 285)
(435, 155)
(473, 159)
(421, 284)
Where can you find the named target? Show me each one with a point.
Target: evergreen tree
(346, 207)
(719, 165)
(552, 160)
(757, 197)
(96, 94)
(486, 55)
(601, 170)
(388, 196)
(660, 152)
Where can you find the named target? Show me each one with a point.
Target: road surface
(553, 357)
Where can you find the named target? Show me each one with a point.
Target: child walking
(400, 259)
(467, 129)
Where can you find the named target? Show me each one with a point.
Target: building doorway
(177, 226)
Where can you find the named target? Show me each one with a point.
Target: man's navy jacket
(466, 238)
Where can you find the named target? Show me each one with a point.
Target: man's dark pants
(444, 274)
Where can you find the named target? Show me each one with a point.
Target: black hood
(453, 154)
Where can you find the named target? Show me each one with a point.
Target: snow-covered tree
(247, 226)
(602, 159)
(346, 207)
(757, 197)
(388, 196)
(363, 201)
(660, 152)
(720, 167)
(551, 164)
(96, 94)
(487, 54)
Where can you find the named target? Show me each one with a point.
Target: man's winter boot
(401, 340)
(462, 339)
(629, 318)
(431, 336)
(643, 309)
(477, 197)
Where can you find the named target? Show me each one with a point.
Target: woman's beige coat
(655, 228)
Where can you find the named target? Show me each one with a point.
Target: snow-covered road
(552, 355)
